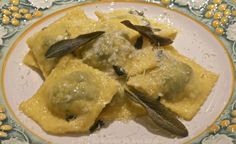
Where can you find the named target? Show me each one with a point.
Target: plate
(196, 40)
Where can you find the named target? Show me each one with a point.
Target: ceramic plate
(200, 38)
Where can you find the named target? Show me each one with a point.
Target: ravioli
(84, 88)
(29, 60)
(167, 79)
(78, 17)
(72, 89)
(195, 93)
(122, 108)
(71, 25)
(134, 17)
(129, 109)
(112, 21)
(182, 84)
(113, 48)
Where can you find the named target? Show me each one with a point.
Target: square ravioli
(72, 90)
(113, 49)
(69, 26)
(195, 92)
(138, 18)
(166, 79)
(182, 85)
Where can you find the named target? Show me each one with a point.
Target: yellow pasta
(70, 26)
(84, 86)
(58, 98)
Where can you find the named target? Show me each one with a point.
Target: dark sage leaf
(66, 46)
(119, 71)
(139, 43)
(96, 126)
(148, 32)
(159, 114)
(70, 117)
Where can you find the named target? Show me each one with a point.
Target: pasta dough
(183, 86)
(195, 93)
(114, 49)
(29, 60)
(137, 18)
(71, 25)
(73, 88)
(167, 79)
(83, 88)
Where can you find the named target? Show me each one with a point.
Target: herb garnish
(139, 43)
(119, 70)
(64, 47)
(159, 114)
(148, 32)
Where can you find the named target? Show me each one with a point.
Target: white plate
(193, 40)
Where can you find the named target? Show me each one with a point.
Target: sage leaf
(119, 70)
(148, 32)
(159, 114)
(139, 43)
(64, 47)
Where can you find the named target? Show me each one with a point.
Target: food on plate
(69, 26)
(113, 49)
(167, 79)
(66, 46)
(196, 91)
(159, 114)
(71, 98)
(136, 17)
(30, 60)
(120, 67)
(182, 84)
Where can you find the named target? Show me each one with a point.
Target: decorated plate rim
(57, 12)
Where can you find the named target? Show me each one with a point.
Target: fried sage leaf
(159, 114)
(96, 126)
(148, 32)
(119, 70)
(66, 46)
(139, 43)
